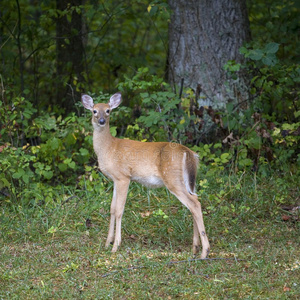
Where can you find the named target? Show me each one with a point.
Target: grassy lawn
(55, 249)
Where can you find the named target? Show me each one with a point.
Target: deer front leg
(120, 194)
(111, 233)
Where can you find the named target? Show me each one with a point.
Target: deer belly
(149, 181)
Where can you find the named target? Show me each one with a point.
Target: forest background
(52, 51)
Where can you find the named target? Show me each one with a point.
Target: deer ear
(87, 101)
(115, 100)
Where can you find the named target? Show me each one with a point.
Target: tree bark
(70, 53)
(203, 36)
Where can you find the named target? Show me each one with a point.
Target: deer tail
(190, 164)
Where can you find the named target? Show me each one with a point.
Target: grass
(55, 249)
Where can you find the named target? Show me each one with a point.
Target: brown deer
(154, 164)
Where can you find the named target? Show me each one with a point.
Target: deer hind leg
(116, 211)
(196, 238)
(196, 211)
(192, 203)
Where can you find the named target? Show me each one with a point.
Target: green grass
(50, 251)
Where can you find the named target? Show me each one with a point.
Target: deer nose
(102, 121)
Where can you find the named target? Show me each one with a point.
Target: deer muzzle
(102, 121)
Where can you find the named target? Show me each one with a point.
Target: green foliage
(267, 55)
(162, 118)
(274, 85)
(265, 135)
(15, 119)
(276, 21)
(40, 149)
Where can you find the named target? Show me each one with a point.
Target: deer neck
(102, 139)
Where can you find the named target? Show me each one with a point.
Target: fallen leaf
(286, 289)
(132, 237)
(145, 214)
(285, 217)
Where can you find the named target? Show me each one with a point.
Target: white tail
(152, 164)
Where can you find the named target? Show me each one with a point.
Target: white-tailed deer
(154, 164)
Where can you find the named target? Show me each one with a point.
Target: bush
(37, 149)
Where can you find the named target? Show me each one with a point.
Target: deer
(153, 164)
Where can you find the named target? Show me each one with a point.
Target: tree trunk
(203, 36)
(70, 53)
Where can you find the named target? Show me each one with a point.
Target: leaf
(145, 214)
(269, 60)
(84, 152)
(286, 289)
(52, 229)
(224, 156)
(218, 145)
(229, 107)
(285, 217)
(255, 54)
(144, 95)
(70, 139)
(72, 165)
(245, 162)
(48, 174)
(113, 130)
(4, 183)
(62, 167)
(54, 143)
(296, 114)
(255, 142)
(25, 178)
(67, 160)
(18, 174)
(243, 50)
(272, 48)
(276, 131)
(152, 9)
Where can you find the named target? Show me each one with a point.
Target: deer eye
(94, 111)
(107, 111)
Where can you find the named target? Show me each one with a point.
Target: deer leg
(198, 219)
(121, 189)
(192, 203)
(111, 231)
(196, 239)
